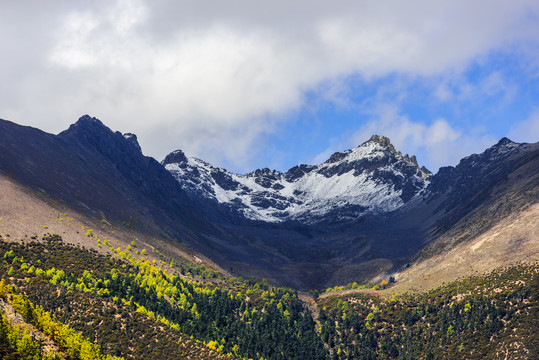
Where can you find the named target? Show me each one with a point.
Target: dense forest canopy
(96, 306)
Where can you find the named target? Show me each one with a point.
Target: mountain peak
(379, 139)
(86, 125)
(362, 150)
(175, 157)
(370, 178)
(504, 141)
(90, 131)
(502, 148)
(87, 121)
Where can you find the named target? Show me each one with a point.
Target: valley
(181, 259)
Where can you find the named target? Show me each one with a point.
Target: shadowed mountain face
(103, 173)
(463, 202)
(363, 212)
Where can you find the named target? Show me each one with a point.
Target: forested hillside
(139, 309)
(483, 317)
(61, 301)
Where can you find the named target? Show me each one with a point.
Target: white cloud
(454, 88)
(526, 130)
(440, 132)
(219, 75)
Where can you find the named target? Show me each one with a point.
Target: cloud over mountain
(215, 78)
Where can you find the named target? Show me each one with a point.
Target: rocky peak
(412, 160)
(298, 171)
(87, 119)
(265, 177)
(408, 159)
(500, 150)
(504, 141)
(379, 139)
(384, 143)
(336, 157)
(425, 173)
(87, 122)
(91, 133)
(374, 147)
(175, 157)
(265, 172)
(503, 146)
(86, 127)
(375, 153)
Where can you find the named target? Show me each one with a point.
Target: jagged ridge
(371, 178)
(333, 236)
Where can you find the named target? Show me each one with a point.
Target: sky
(250, 84)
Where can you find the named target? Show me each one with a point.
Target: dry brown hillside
(512, 240)
(25, 214)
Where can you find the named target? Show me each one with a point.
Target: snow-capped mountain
(311, 226)
(371, 178)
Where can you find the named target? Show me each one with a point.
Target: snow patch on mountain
(371, 178)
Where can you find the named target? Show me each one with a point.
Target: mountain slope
(97, 307)
(483, 215)
(365, 213)
(480, 191)
(510, 241)
(103, 173)
(380, 210)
